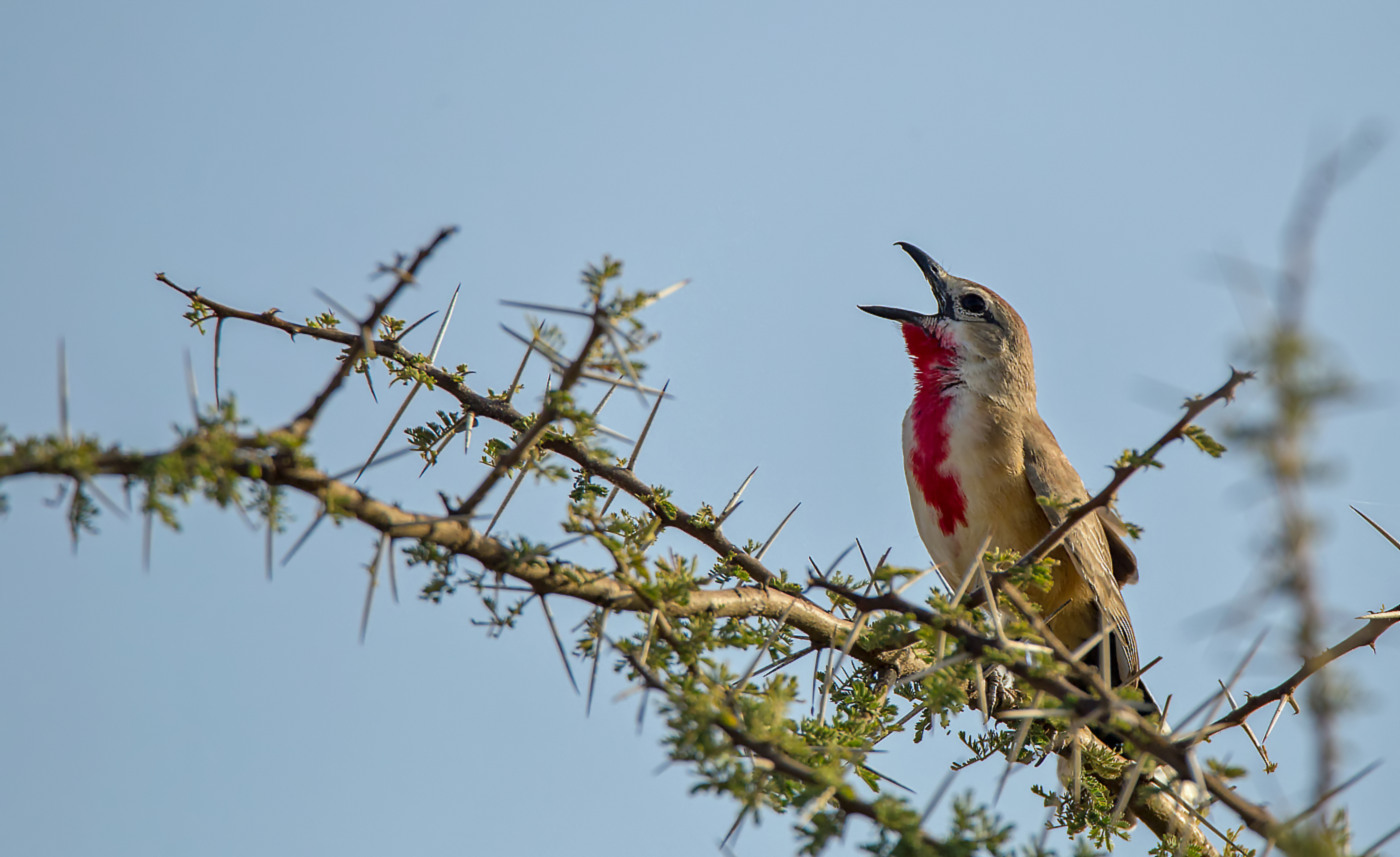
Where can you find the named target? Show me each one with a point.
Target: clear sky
(1088, 161)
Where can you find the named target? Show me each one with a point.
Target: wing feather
(1089, 544)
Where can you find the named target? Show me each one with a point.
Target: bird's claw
(998, 689)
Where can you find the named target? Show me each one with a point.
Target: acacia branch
(1366, 635)
(1194, 406)
(499, 410)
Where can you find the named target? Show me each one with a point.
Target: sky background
(1088, 162)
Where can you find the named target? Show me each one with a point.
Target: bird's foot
(997, 693)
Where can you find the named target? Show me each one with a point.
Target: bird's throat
(936, 381)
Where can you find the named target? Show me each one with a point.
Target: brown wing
(1089, 546)
(1125, 568)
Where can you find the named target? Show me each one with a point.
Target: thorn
(1212, 702)
(146, 533)
(337, 305)
(637, 448)
(891, 780)
(514, 486)
(63, 389)
(1258, 746)
(548, 308)
(627, 367)
(1379, 529)
(963, 585)
(301, 540)
(1077, 760)
(787, 661)
(558, 643)
(1140, 672)
(594, 376)
(1274, 719)
(218, 343)
(666, 292)
(734, 828)
(393, 574)
(769, 542)
(651, 632)
(192, 387)
(442, 328)
(762, 651)
(1322, 801)
(734, 500)
(369, 382)
(369, 590)
(1126, 793)
(597, 656)
(1014, 756)
(826, 686)
(642, 708)
(992, 609)
(903, 587)
(1379, 842)
(603, 401)
(937, 796)
(532, 345)
(406, 331)
(432, 356)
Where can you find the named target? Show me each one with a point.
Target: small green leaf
(1203, 441)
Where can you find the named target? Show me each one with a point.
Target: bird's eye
(975, 304)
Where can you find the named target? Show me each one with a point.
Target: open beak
(896, 314)
(937, 280)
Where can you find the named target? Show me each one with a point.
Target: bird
(977, 456)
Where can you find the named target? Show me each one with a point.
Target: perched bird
(977, 456)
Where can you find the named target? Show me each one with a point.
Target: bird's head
(975, 338)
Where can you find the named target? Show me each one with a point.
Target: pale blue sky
(1084, 160)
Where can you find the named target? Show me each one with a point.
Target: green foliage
(326, 320)
(731, 682)
(1203, 441)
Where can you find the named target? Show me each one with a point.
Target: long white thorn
(938, 796)
(192, 386)
(1379, 529)
(218, 349)
(627, 367)
(1273, 720)
(915, 579)
(1259, 747)
(1126, 794)
(769, 542)
(992, 609)
(637, 447)
(432, 356)
(762, 651)
(734, 500)
(63, 389)
(548, 308)
(373, 579)
(597, 657)
(532, 345)
(665, 293)
(558, 642)
(608, 395)
(1014, 756)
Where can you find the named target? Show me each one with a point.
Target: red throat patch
(934, 358)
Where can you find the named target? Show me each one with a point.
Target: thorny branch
(273, 460)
